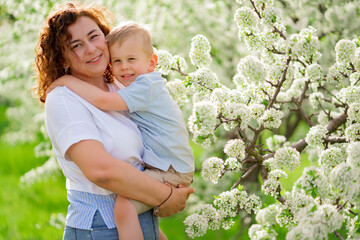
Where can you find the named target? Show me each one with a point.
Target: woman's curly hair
(54, 37)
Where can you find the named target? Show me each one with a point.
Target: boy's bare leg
(162, 235)
(126, 220)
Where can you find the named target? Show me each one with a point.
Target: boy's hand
(61, 81)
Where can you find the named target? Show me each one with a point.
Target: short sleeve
(138, 94)
(68, 121)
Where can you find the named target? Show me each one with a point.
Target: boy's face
(129, 60)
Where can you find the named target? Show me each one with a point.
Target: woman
(88, 142)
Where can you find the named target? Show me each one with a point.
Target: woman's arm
(108, 101)
(122, 178)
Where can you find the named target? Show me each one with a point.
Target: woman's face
(87, 53)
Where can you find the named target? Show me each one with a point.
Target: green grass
(25, 211)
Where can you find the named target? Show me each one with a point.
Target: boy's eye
(131, 59)
(116, 60)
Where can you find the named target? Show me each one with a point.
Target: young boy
(167, 156)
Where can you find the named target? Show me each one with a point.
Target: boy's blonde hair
(123, 31)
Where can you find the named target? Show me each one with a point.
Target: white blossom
(345, 51)
(353, 152)
(276, 70)
(267, 216)
(271, 118)
(342, 177)
(180, 63)
(211, 215)
(298, 200)
(314, 72)
(235, 148)
(165, 62)
(200, 51)
(238, 79)
(177, 90)
(354, 78)
(316, 225)
(48, 170)
(313, 181)
(336, 73)
(246, 19)
(203, 79)
(316, 99)
(287, 158)
(270, 16)
(352, 94)
(315, 136)
(202, 122)
(197, 225)
(354, 112)
(220, 96)
(212, 169)
(257, 110)
(295, 89)
(233, 164)
(275, 142)
(353, 228)
(237, 111)
(356, 60)
(272, 184)
(306, 44)
(252, 70)
(260, 232)
(57, 220)
(331, 157)
(352, 132)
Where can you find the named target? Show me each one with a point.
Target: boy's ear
(153, 62)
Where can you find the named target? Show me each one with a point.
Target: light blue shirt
(161, 123)
(83, 206)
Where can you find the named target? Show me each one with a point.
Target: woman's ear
(153, 62)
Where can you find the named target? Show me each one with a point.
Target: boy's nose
(124, 66)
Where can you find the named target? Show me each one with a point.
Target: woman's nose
(90, 47)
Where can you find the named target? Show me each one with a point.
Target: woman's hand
(176, 202)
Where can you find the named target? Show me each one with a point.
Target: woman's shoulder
(61, 97)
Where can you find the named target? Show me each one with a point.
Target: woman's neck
(98, 82)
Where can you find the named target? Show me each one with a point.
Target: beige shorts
(171, 176)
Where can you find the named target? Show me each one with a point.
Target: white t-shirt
(70, 119)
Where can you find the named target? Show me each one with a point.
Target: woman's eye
(94, 36)
(75, 46)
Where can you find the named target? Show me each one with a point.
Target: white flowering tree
(281, 77)
(291, 73)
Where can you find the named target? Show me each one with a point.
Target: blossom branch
(179, 71)
(283, 78)
(333, 139)
(248, 172)
(280, 32)
(303, 113)
(255, 9)
(338, 235)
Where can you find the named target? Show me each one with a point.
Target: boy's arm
(110, 101)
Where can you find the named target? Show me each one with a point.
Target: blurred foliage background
(36, 210)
